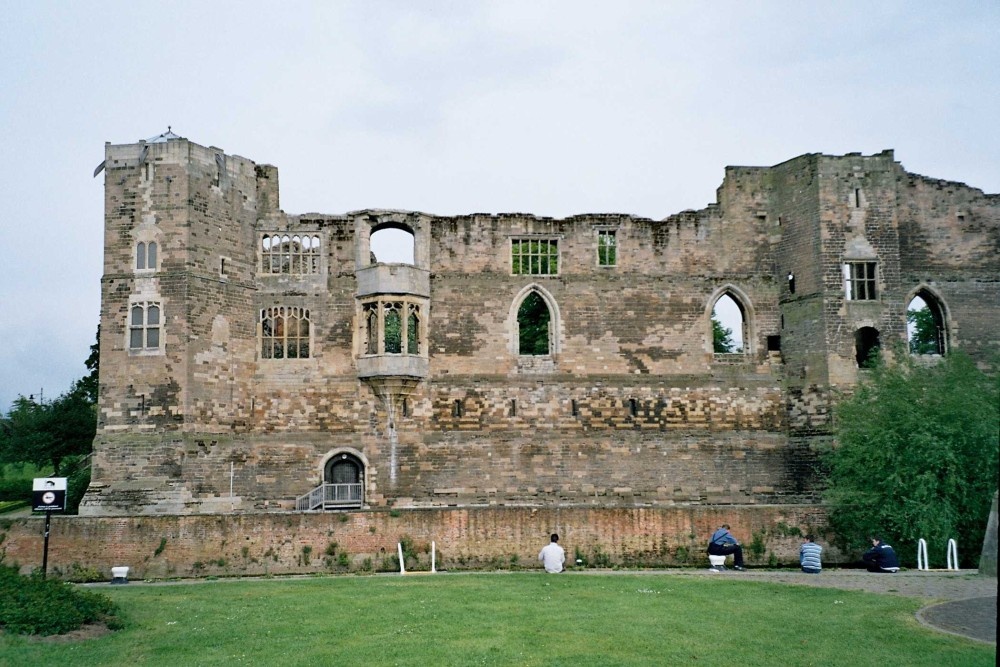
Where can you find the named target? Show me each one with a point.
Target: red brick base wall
(82, 548)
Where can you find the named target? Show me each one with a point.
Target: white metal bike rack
(922, 554)
(952, 554)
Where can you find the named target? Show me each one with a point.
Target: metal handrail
(324, 495)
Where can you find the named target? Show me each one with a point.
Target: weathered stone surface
(630, 409)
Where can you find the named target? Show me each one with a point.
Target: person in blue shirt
(723, 543)
(881, 557)
(811, 556)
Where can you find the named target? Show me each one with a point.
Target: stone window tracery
(284, 333)
(534, 257)
(860, 281)
(289, 254)
(392, 326)
(144, 326)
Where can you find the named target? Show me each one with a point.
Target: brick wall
(259, 544)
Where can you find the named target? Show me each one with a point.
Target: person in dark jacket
(881, 557)
(723, 543)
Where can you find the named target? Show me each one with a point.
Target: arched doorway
(343, 481)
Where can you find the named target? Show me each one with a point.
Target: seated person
(881, 557)
(723, 543)
(810, 556)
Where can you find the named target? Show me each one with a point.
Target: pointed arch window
(731, 327)
(925, 325)
(534, 326)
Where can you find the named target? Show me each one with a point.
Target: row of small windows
(540, 257)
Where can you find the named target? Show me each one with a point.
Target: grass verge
(507, 619)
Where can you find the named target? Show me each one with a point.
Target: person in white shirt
(552, 556)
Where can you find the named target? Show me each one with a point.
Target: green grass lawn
(506, 619)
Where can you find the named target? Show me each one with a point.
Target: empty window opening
(392, 245)
(574, 408)
(534, 257)
(533, 326)
(222, 267)
(513, 407)
(413, 329)
(728, 326)
(774, 343)
(292, 254)
(860, 281)
(393, 327)
(284, 333)
(145, 256)
(457, 409)
(607, 247)
(384, 330)
(857, 197)
(925, 330)
(791, 283)
(633, 407)
(144, 326)
(866, 346)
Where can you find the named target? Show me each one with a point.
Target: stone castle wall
(631, 407)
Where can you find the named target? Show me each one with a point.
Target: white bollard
(952, 554)
(922, 554)
(399, 548)
(432, 557)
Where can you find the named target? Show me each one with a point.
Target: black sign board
(48, 494)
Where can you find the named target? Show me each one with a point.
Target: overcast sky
(552, 108)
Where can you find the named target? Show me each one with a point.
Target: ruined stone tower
(253, 360)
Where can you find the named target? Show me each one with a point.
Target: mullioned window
(291, 254)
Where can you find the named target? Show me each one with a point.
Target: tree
(925, 332)
(533, 326)
(722, 338)
(916, 456)
(46, 433)
(89, 382)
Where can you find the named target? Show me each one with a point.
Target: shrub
(15, 488)
(36, 606)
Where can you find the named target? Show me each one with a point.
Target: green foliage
(925, 333)
(533, 325)
(36, 606)
(916, 456)
(46, 433)
(163, 545)
(89, 382)
(722, 338)
(15, 488)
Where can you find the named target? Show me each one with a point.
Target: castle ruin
(259, 361)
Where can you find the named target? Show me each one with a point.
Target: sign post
(48, 494)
